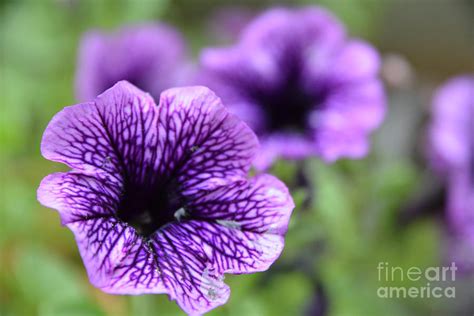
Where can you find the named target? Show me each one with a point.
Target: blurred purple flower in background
(451, 139)
(159, 199)
(227, 22)
(150, 56)
(297, 80)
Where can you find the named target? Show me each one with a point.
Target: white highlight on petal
(212, 283)
(127, 109)
(229, 223)
(180, 214)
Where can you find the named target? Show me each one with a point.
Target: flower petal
(76, 136)
(115, 134)
(362, 105)
(202, 142)
(354, 61)
(342, 125)
(283, 146)
(277, 28)
(460, 211)
(451, 131)
(461, 204)
(117, 260)
(228, 249)
(130, 118)
(190, 138)
(249, 70)
(240, 230)
(149, 55)
(79, 197)
(261, 205)
(89, 78)
(190, 277)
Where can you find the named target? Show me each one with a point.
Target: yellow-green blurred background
(333, 246)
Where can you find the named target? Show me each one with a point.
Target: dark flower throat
(287, 107)
(147, 210)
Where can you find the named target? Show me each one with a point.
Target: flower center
(287, 110)
(148, 210)
(287, 107)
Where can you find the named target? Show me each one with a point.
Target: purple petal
(78, 196)
(124, 133)
(150, 56)
(276, 29)
(283, 146)
(461, 219)
(360, 105)
(262, 205)
(240, 230)
(106, 135)
(451, 128)
(190, 277)
(461, 204)
(117, 260)
(89, 83)
(76, 136)
(352, 62)
(204, 142)
(247, 69)
(226, 247)
(342, 125)
(130, 119)
(195, 254)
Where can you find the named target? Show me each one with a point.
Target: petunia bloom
(150, 56)
(301, 84)
(451, 139)
(158, 197)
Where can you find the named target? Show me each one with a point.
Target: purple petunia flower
(297, 80)
(151, 56)
(451, 139)
(158, 196)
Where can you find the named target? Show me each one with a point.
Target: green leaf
(42, 278)
(70, 309)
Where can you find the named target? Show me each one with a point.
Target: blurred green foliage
(337, 238)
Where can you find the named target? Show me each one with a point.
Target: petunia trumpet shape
(301, 84)
(151, 56)
(451, 139)
(158, 197)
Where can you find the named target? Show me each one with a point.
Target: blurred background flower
(152, 57)
(353, 220)
(305, 88)
(451, 151)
